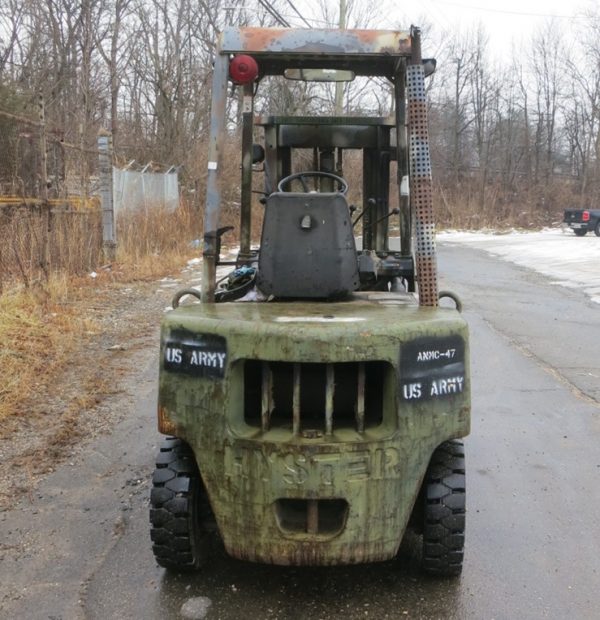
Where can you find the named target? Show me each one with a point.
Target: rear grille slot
(311, 516)
(314, 399)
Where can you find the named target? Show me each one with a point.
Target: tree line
(512, 141)
(523, 134)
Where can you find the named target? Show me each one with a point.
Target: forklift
(314, 398)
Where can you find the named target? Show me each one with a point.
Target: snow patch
(569, 261)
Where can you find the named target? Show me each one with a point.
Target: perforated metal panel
(421, 187)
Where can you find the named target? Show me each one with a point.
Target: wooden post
(109, 229)
(45, 206)
(1, 264)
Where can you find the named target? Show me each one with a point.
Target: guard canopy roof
(365, 52)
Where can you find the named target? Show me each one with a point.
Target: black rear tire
(444, 511)
(597, 229)
(178, 508)
(580, 232)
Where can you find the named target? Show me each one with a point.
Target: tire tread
(444, 511)
(177, 501)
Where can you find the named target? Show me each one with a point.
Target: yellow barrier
(75, 203)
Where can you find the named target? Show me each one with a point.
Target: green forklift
(315, 398)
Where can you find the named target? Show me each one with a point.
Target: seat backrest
(307, 247)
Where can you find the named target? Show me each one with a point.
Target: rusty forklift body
(316, 417)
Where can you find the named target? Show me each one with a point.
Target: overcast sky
(504, 20)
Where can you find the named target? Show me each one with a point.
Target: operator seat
(307, 247)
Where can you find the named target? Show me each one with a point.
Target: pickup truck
(583, 220)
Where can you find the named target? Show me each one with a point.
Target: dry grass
(59, 320)
(467, 207)
(38, 330)
(43, 322)
(39, 243)
(154, 242)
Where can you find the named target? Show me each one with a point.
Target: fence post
(1, 266)
(109, 230)
(43, 191)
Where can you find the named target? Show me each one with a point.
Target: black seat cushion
(307, 247)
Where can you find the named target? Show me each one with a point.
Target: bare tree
(546, 59)
(114, 48)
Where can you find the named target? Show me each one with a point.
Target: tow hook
(183, 293)
(454, 297)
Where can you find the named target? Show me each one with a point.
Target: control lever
(394, 211)
(219, 234)
(370, 203)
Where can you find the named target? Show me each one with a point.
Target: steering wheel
(302, 176)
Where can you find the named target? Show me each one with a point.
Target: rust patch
(360, 399)
(313, 517)
(313, 554)
(369, 36)
(260, 39)
(359, 42)
(386, 41)
(421, 185)
(427, 281)
(166, 426)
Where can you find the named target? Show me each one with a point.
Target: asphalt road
(79, 547)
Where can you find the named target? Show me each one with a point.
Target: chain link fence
(49, 213)
(58, 204)
(142, 188)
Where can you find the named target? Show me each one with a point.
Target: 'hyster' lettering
(296, 471)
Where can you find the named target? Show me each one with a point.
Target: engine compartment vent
(314, 399)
